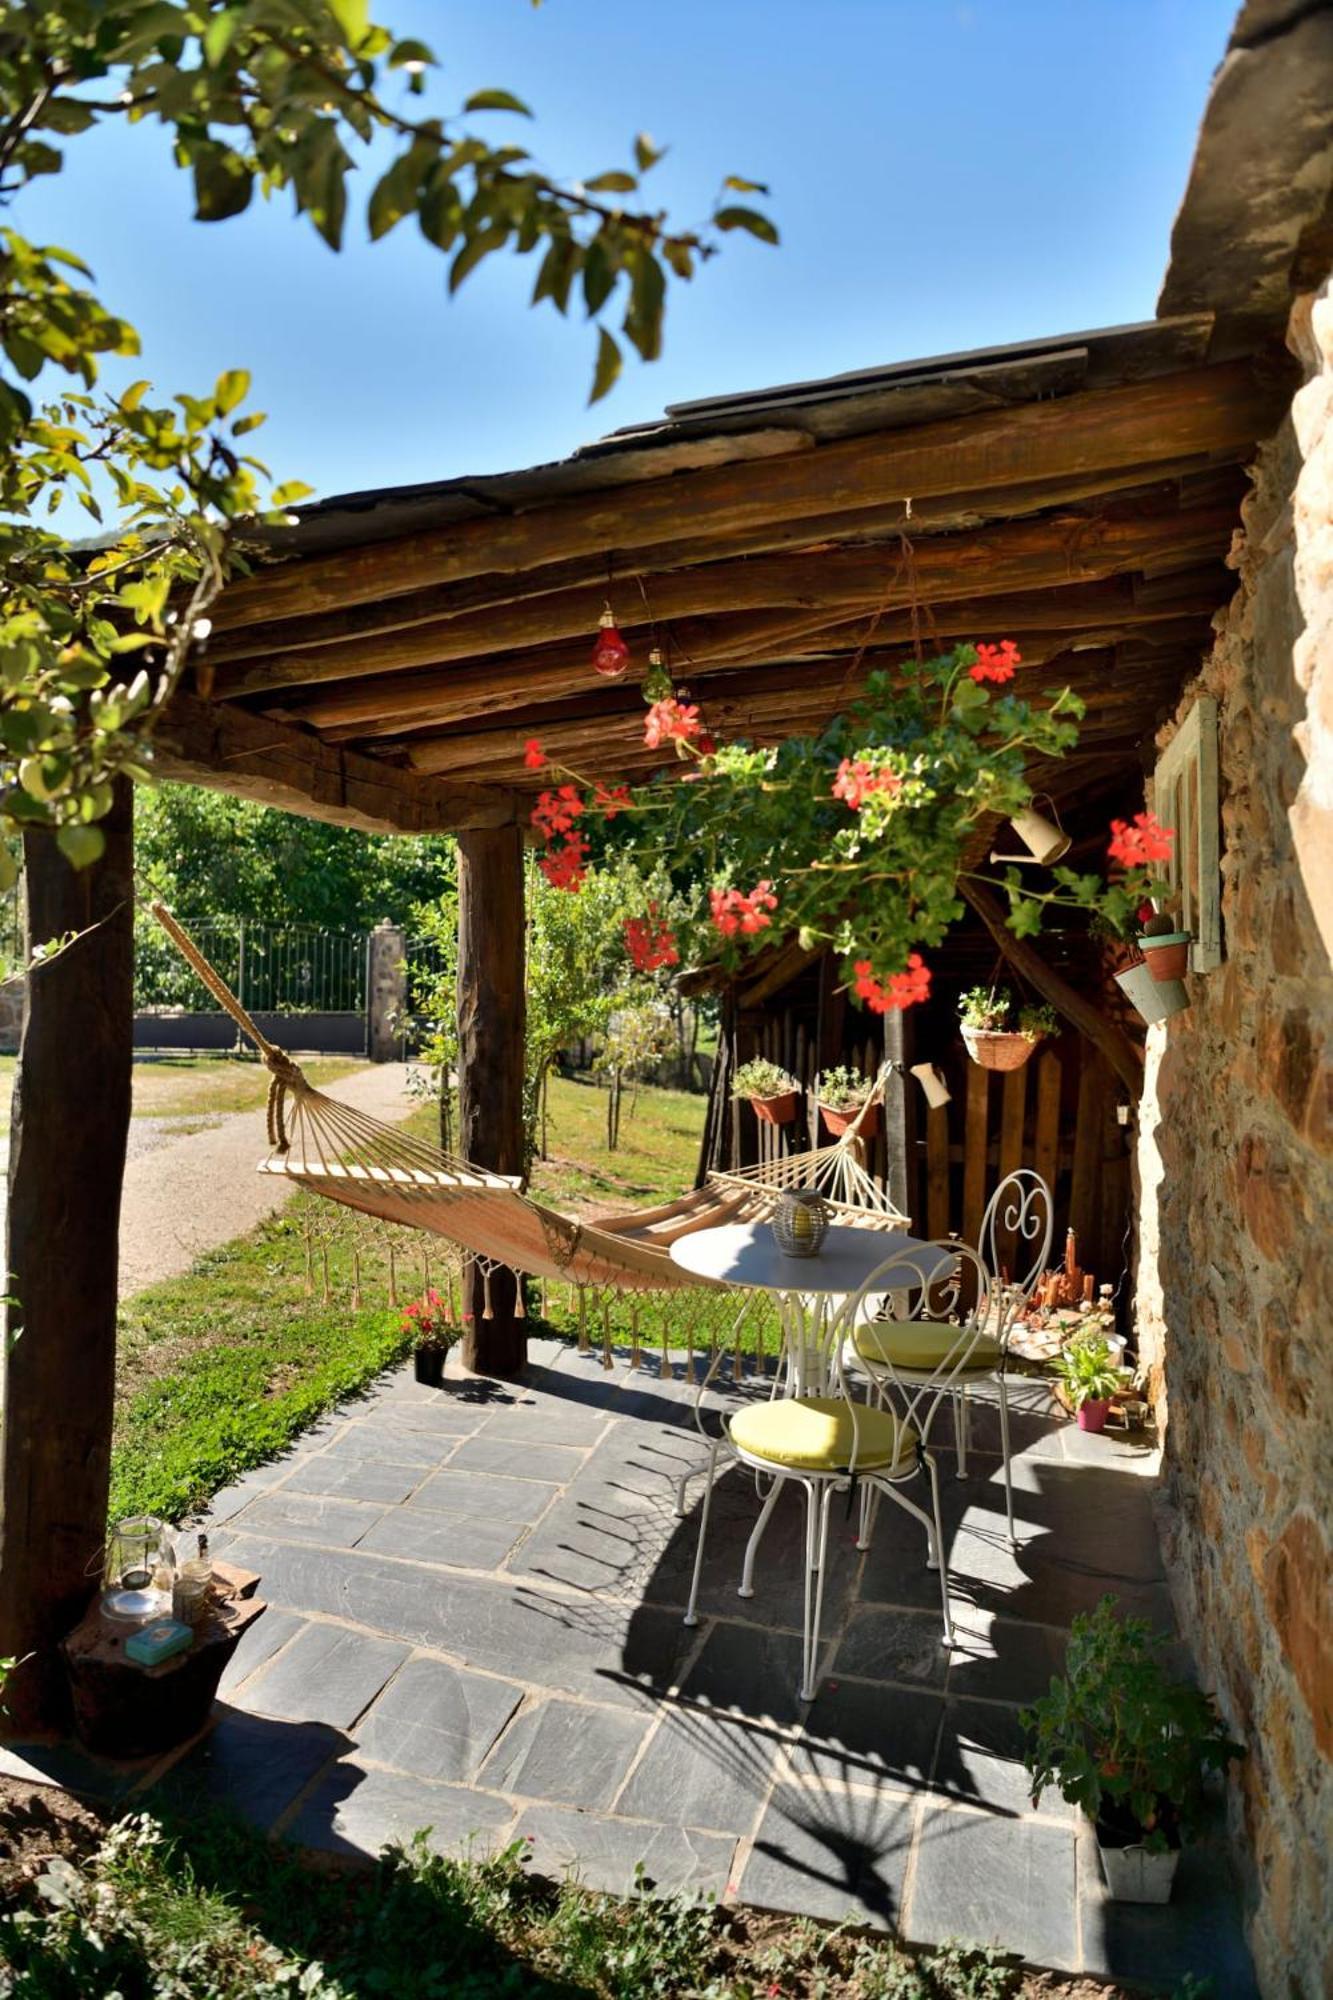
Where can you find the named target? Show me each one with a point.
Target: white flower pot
(1136, 1875)
(1154, 999)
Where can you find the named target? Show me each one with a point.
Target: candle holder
(139, 1570)
(800, 1222)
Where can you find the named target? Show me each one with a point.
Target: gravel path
(188, 1190)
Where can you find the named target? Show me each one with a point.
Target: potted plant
(771, 1090)
(1166, 950)
(1089, 1377)
(1037, 1021)
(1129, 1743)
(985, 1012)
(842, 1097)
(430, 1324)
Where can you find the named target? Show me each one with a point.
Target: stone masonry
(1236, 1171)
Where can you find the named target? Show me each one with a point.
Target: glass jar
(140, 1570)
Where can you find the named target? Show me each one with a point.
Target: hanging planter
(842, 1095)
(1166, 950)
(1153, 999)
(772, 1093)
(987, 1036)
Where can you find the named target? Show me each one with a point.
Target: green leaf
(749, 219)
(497, 100)
(608, 366)
(598, 277)
(134, 395)
(223, 183)
(612, 183)
(232, 388)
(244, 425)
(81, 845)
(219, 35)
(395, 194)
(353, 17)
(739, 185)
(291, 491)
(478, 247)
(646, 153)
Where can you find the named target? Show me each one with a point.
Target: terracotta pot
(428, 1365)
(1092, 1415)
(1167, 955)
(780, 1110)
(838, 1121)
(997, 1048)
(1152, 999)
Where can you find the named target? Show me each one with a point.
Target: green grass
(195, 1086)
(219, 1370)
(218, 1911)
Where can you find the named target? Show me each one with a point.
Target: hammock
(379, 1170)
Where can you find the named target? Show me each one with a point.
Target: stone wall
(1236, 1171)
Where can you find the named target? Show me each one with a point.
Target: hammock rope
(382, 1172)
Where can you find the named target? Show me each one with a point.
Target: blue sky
(945, 176)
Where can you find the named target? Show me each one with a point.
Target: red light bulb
(610, 654)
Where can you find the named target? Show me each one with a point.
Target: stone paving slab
(478, 1593)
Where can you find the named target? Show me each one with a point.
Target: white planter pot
(1134, 1875)
(1154, 999)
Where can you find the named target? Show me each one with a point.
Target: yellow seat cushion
(922, 1345)
(815, 1434)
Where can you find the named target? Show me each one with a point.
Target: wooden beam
(1091, 613)
(491, 1065)
(1109, 1040)
(253, 757)
(1016, 555)
(950, 513)
(67, 1156)
(1216, 409)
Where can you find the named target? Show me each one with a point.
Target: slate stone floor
(475, 1626)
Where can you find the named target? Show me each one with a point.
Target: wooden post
(67, 1156)
(895, 1115)
(491, 1010)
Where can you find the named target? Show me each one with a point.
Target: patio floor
(475, 1625)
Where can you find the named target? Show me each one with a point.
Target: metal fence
(271, 968)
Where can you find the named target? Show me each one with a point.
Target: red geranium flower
(612, 799)
(996, 663)
(533, 754)
(556, 812)
(670, 721)
(565, 867)
(650, 944)
(856, 780)
(902, 989)
(732, 910)
(1137, 843)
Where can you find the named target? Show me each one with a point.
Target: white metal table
(745, 1254)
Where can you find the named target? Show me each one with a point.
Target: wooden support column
(491, 1024)
(67, 1156)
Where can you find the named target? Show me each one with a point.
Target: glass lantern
(800, 1222)
(140, 1569)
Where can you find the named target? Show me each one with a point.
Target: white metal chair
(897, 1352)
(832, 1440)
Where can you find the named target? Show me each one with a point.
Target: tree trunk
(491, 998)
(67, 1156)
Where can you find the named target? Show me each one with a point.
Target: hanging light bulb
(610, 654)
(657, 682)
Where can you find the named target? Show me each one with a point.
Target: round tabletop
(744, 1253)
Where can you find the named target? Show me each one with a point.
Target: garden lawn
(195, 1086)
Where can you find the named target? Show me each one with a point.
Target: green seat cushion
(817, 1434)
(923, 1345)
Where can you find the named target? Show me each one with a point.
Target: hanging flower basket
(780, 1110)
(839, 1121)
(997, 1048)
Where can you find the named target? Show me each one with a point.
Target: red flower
(856, 781)
(556, 812)
(565, 867)
(996, 663)
(612, 800)
(1138, 842)
(649, 943)
(732, 910)
(707, 745)
(669, 721)
(903, 989)
(533, 754)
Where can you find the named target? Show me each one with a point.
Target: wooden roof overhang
(389, 658)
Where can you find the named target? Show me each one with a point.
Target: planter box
(428, 1365)
(780, 1110)
(1135, 1875)
(1153, 999)
(838, 1121)
(997, 1048)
